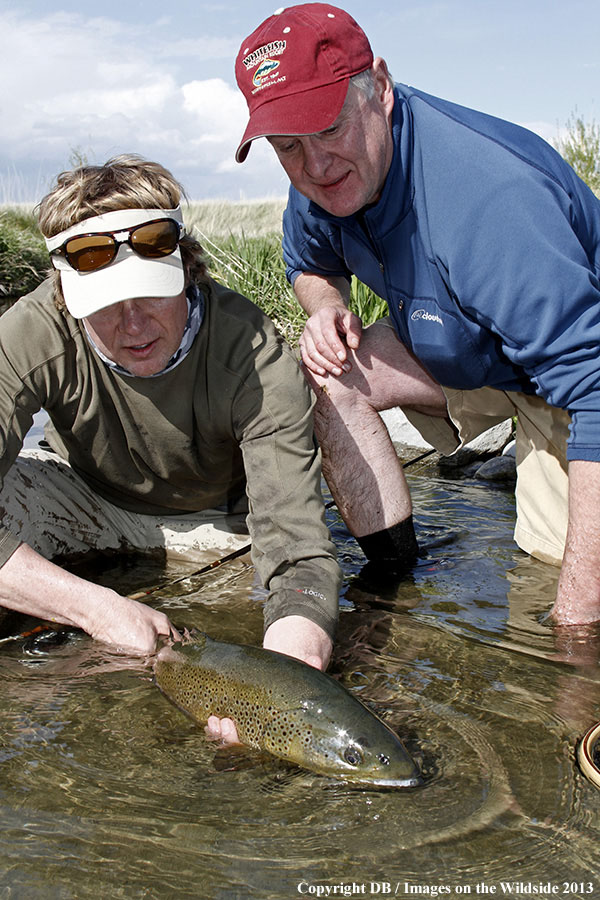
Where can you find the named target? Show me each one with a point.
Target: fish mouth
(405, 783)
(385, 784)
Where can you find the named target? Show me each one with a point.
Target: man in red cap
(486, 247)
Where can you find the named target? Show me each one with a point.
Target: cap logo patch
(265, 68)
(274, 48)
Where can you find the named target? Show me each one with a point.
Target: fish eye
(352, 756)
(384, 760)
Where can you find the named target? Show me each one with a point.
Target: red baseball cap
(295, 68)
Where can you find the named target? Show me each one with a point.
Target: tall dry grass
(242, 244)
(224, 218)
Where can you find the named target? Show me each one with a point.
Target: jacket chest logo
(426, 317)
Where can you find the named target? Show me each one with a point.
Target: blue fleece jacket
(486, 247)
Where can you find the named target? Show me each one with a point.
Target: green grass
(222, 218)
(23, 255)
(254, 266)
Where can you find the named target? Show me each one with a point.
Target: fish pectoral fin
(234, 757)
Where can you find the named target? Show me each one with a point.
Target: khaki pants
(46, 504)
(541, 439)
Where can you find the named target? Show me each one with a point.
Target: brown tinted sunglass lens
(92, 251)
(155, 239)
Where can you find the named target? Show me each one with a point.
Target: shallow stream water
(106, 790)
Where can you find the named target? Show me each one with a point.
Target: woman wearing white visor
(179, 422)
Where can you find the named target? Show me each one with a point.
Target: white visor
(129, 275)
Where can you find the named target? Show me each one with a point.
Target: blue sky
(96, 79)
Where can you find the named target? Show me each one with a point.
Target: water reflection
(107, 790)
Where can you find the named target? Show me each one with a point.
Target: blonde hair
(127, 181)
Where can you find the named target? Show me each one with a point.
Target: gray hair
(365, 82)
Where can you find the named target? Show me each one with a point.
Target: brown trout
(286, 707)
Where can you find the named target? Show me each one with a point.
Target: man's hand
(295, 636)
(130, 626)
(331, 328)
(326, 338)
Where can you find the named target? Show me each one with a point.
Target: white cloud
(545, 130)
(100, 87)
(134, 103)
(215, 103)
(203, 49)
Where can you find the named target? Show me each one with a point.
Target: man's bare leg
(360, 464)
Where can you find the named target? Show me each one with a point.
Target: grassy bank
(23, 254)
(242, 243)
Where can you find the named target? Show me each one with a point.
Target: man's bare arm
(578, 597)
(32, 585)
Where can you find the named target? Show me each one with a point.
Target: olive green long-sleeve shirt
(235, 415)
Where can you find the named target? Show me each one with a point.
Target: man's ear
(384, 86)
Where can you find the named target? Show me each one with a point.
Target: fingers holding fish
(132, 627)
(222, 730)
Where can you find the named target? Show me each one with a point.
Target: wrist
(301, 638)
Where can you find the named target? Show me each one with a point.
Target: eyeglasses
(151, 240)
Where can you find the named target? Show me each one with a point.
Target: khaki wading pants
(541, 447)
(47, 505)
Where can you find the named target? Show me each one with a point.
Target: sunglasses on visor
(152, 240)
